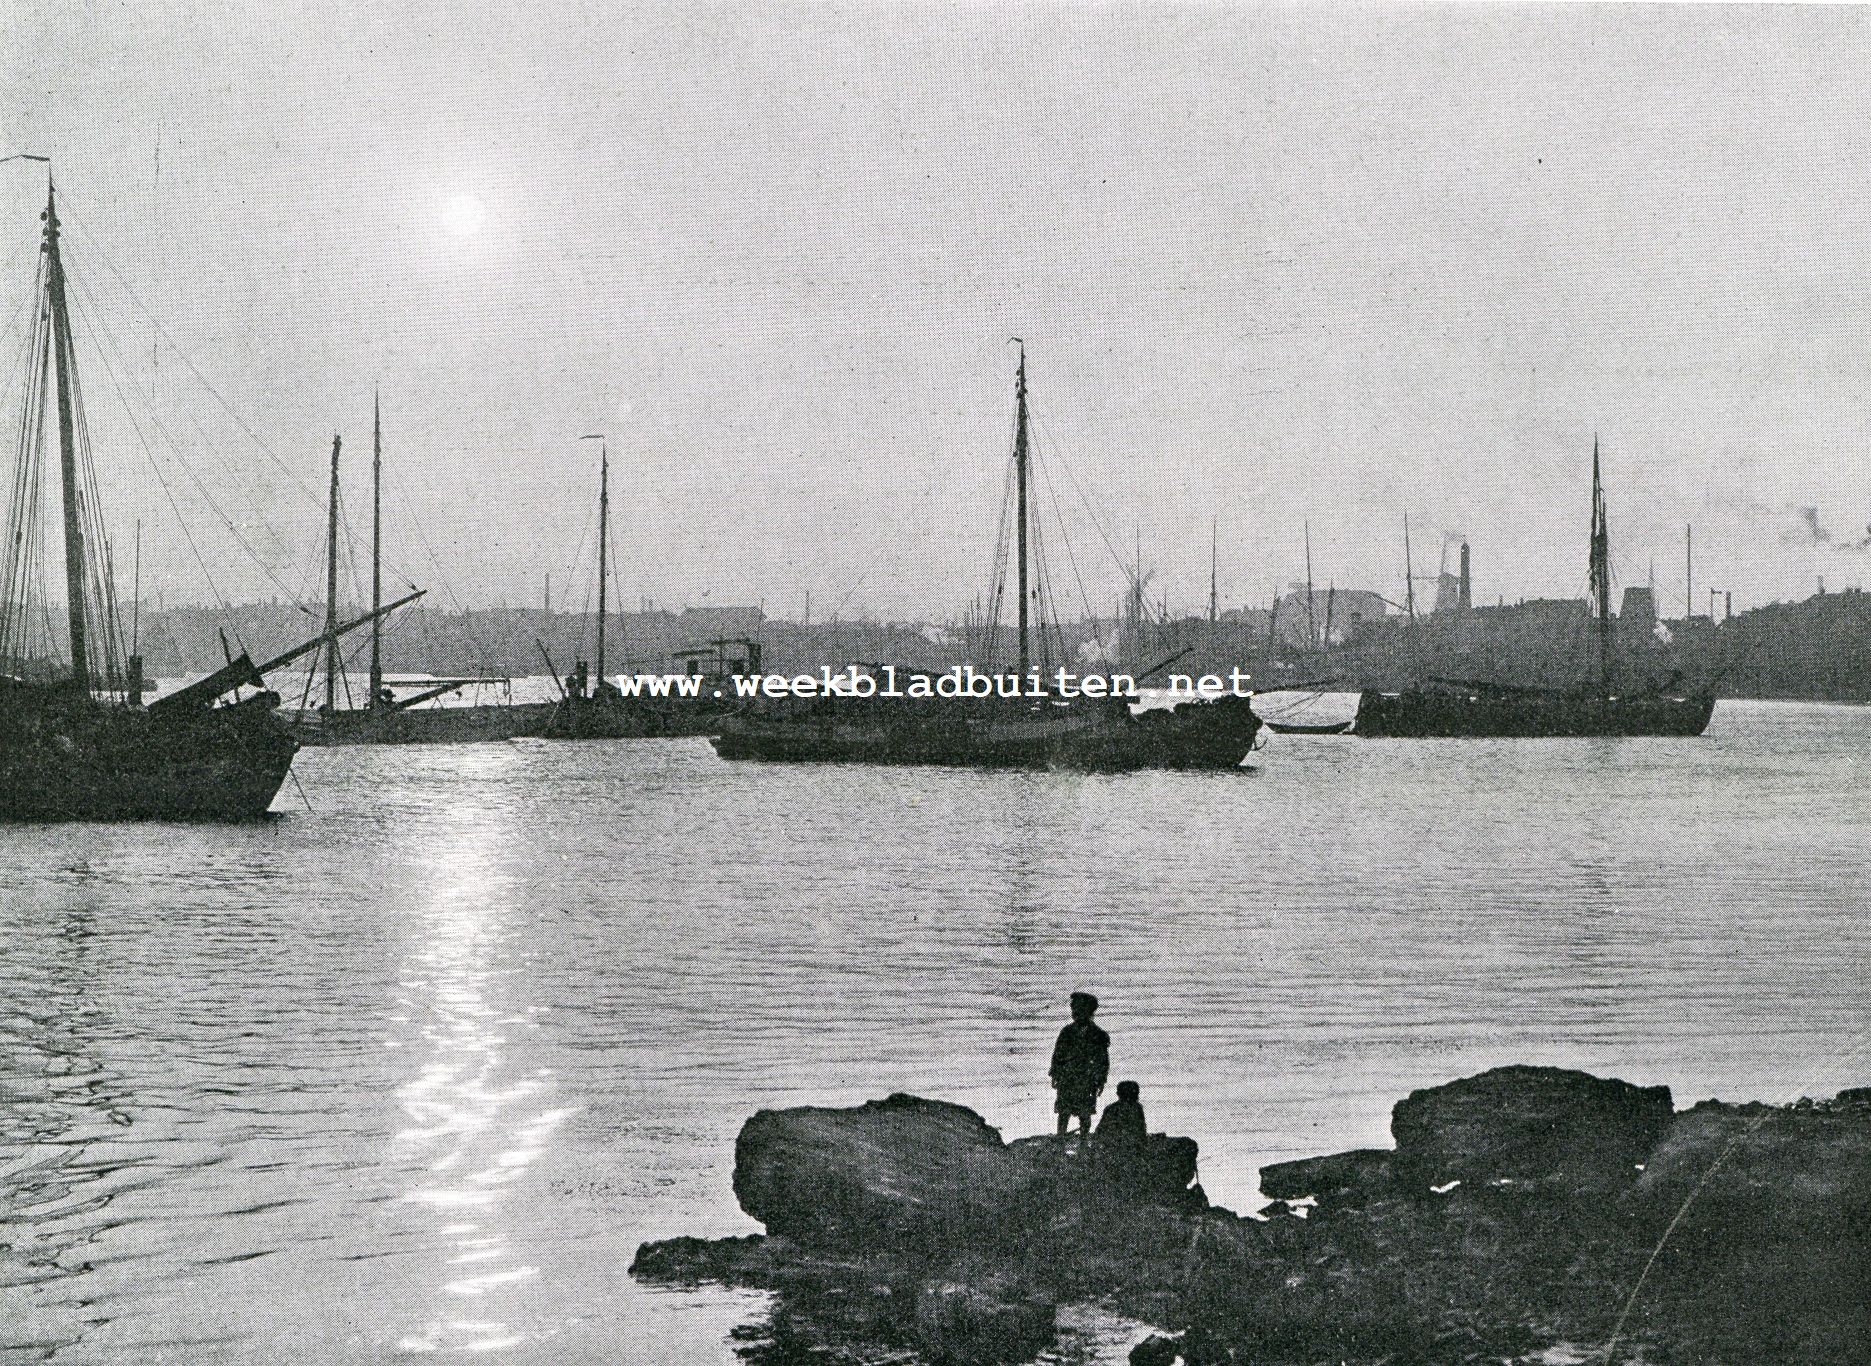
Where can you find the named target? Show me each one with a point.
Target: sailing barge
(76, 743)
(1083, 734)
(591, 707)
(385, 718)
(1466, 709)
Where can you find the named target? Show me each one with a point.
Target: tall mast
(1214, 527)
(67, 449)
(1689, 572)
(331, 585)
(604, 541)
(1138, 647)
(133, 685)
(1019, 465)
(1409, 573)
(1601, 576)
(376, 546)
(1312, 625)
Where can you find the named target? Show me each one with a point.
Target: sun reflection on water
(476, 1120)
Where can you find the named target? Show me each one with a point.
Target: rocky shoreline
(1527, 1214)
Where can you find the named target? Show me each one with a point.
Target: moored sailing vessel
(1086, 734)
(385, 718)
(1466, 709)
(76, 743)
(591, 707)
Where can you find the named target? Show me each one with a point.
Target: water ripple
(414, 1073)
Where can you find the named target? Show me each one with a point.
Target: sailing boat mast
(1019, 465)
(604, 534)
(1601, 576)
(1312, 625)
(604, 544)
(331, 586)
(1409, 573)
(67, 449)
(1214, 528)
(376, 547)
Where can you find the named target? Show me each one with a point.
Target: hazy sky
(1271, 264)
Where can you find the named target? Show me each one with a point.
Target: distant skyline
(1272, 266)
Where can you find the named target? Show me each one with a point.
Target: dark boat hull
(77, 759)
(1508, 716)
(424, 725)
(1202, 735)
(1294, 728)
(598, 718)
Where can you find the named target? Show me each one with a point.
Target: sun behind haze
(464, 215)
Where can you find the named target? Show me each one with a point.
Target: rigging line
(572, 574)
(25, 579)
(229, 469)
(25, 513)
(409, 512)
(106, 348)
(474, 637)
(1059, 455)
(26, 340)
(1051, 633)
(209, 445)
(1071, 556)
(99, 570)
(1045, 607)
(174, 506)
(67, 218)
(168, 493)
(1048, 587)
(997, 578)
(354, 539)
(839, 605)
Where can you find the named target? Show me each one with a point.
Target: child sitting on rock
(1122, 1121)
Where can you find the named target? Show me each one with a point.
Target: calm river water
(414, 1071)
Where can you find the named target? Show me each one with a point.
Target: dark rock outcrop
(1584, 1213)
(906, 1171)
(886, 1171)
(1527, 1123)
(1803, 1165)
(1363, 1172)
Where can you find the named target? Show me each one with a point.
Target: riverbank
(1524, 1214)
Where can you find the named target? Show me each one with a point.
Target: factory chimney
(1462, 598)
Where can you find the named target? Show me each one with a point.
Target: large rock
(1528, 1123)
(1362, 1173)
(908, 1225)
(884, 1172)
(906, 1173)
(1158, 1171)
(1764, 1165)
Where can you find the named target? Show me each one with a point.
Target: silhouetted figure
(1081, 1060)
(1122, 1123)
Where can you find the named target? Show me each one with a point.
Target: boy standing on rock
(1081, 1060)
